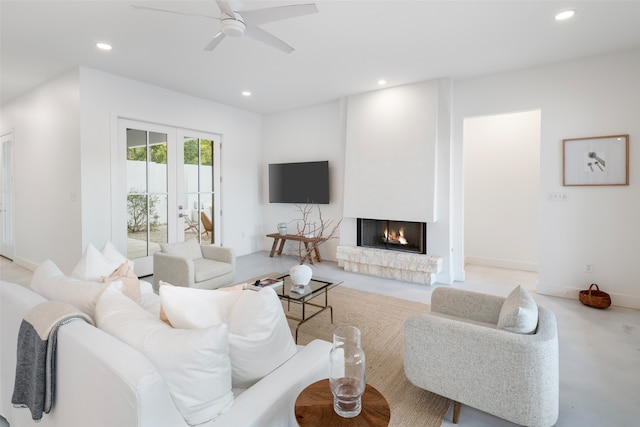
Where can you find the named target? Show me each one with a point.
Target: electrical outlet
(557, 197)
(588, 268)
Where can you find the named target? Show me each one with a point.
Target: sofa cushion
(189, 249)
(205, 269)
(193, 363)
(519, 312)
(94, 266)
(52, 284)
(260, 339)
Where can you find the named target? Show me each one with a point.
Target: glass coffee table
(317, 287)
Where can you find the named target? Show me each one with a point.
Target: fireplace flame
(396, 237)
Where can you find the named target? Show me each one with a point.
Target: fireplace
(405, 236)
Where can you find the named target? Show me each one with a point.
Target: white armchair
(458, 351)
(193, 265)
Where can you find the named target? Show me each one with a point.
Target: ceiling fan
(236, 23)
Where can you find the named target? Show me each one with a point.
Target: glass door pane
(199, 212)
(206, 189)
(190, 207)
(147, 192)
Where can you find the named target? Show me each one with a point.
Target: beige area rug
(380, 318)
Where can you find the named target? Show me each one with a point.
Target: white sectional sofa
(103, 382)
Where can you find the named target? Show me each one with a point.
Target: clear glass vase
(347, 377)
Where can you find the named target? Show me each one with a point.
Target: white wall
(47, 210)
(305, 134)
(391, 153)
(65, 133)
(501, 190)
(597, 225)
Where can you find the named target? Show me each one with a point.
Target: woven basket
(595, 298)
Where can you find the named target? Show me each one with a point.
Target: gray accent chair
(193, 265)
(456, 351)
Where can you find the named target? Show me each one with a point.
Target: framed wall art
(599, 160)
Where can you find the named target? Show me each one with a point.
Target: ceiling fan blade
(214, 41)
(268, 38)
(225, 7)
(271, 14)
(157, 9)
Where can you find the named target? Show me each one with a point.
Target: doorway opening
(502, 189)
(6, 196)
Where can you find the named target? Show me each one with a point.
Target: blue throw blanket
(34, 387)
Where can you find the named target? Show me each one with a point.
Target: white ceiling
(342, 50)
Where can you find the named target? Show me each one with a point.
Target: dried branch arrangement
(319, 228)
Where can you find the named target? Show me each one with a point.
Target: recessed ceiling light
(246, 93)
(103, 46)
(565, 15)
(382, 82)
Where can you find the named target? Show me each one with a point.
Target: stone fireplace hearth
(397, 265)
(391, 249)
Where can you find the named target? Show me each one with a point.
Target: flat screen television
(304, 182)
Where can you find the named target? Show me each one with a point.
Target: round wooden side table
(314, 407)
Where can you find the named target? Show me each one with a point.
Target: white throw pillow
(259, 336)
(519, 312)
(110, 252)
(94, 266)
(193, 363)
(192, 308)
(260, 339)
(52, 284)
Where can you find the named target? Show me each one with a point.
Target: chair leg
(456, 412)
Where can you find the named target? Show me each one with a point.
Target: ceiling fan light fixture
(233, 27)
(566, 14)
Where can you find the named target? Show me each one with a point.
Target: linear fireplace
(405, 236)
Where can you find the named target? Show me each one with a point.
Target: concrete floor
(599, 349)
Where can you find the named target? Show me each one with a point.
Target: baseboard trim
(502, 263)
(25, 263)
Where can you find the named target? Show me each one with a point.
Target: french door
(6, 195)
(171, 187)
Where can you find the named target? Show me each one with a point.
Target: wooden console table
(277, 237)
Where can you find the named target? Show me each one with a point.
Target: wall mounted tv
(305, 182)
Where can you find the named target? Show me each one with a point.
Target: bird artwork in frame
(600, 160)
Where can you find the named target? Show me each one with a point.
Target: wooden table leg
(309, 254)
(316, 249)
(273, 248)
(282, 241)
